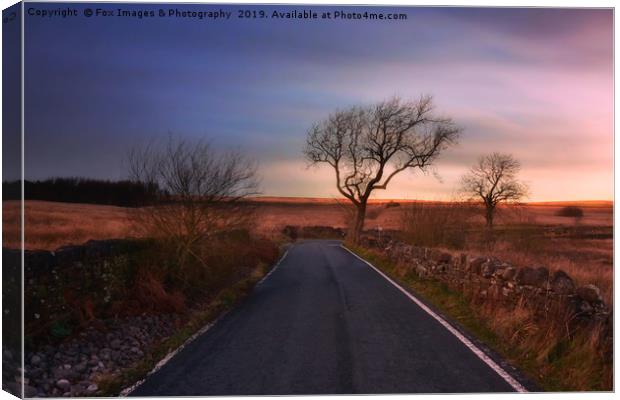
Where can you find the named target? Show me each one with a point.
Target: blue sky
(533, 82)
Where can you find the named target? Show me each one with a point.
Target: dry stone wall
(491, 279)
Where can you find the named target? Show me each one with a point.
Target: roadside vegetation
(555, 359)
(194, 254)
(198, 317)
(585, 251)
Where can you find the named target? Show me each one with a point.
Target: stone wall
(491, 279)
(72, 284)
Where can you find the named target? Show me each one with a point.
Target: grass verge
(560, 364)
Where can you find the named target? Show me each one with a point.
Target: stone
(561, 283)
(35, 360)
(81, 367)
(590, 293)
(63, 385)
(463, 260)
(488, 268)
(443, 258)
(29, 391)
(585, 308)
(476, 264)
(509, 273)
(34, 373)
(92, 388)
(536, 277)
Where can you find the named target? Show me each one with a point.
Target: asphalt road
(324, 322)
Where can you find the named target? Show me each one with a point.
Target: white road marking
(273, 269)
(125, 392)
(481, 354)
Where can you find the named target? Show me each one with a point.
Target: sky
(536, 83)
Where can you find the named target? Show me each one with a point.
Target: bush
(570, 211)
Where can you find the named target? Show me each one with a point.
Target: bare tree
(493, 180)
(196, 191)
(368, 146)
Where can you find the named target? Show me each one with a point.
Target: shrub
(570, 211)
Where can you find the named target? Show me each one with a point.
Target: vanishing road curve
(326, 322)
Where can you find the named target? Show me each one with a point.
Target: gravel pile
(72, 368)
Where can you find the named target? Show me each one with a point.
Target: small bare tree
(195, 190)
(368, 146)
(493, 180)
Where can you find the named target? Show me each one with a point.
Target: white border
(467, 3)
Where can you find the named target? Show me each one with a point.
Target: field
(529, 235)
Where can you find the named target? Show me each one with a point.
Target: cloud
(533, 82)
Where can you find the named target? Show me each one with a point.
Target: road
(325, 322)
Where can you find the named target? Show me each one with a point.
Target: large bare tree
(195, 191)
(493, 180)
(368, 146)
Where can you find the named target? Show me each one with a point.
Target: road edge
(129, 389)
(458, 333)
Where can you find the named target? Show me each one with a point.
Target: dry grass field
(50, 225)
(530, 235)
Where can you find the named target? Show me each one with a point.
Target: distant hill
(579, 203)
(327, 201)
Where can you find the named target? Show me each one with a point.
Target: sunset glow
(537, 83)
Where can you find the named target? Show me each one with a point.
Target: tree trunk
(359, 223)
(490, 213)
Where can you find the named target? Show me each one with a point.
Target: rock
(115, 344)
(463, 260)
(585, 308)
(34, 372)
(561, 283)
(63, 385)
(35, 360)
(536, 277)
(30, 391)
(509, 273)
(590, 293)
(476, 264)
(92, 388)
(488, 268)
(442, 257)
(81, 367)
